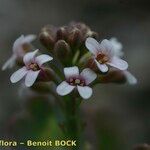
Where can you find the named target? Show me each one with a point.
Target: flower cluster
(74, 47)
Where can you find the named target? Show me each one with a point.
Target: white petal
(85, 91)
(102, 67)
(18, 75)
(64, 88)
(88, 75)
(71, 71)
(9, 63)
(42, 59)
(30, 57)
(31, 77)
(107, 48)
(18, 44)
(118, 63)
(92, 45)
(106, 44)
(130, 78)
(29, 38)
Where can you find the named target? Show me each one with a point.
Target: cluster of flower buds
(74, 47)
(66, 41)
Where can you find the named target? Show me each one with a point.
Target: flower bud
(61, 33)
(88, 62)
(48, 36)
(92, 34)
(81, 26)
(113, 76)
(85, 30)
(142, 147)
(62, 50)
(74, 37)
(46, 75)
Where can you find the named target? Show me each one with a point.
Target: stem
(72, 118)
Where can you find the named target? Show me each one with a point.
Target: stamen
(102, 58)
(26, 47)
(34, 67)
(76, 81)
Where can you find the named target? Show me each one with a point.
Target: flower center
(102, 58)
(26, 47)
(34, 67)
(76, 81)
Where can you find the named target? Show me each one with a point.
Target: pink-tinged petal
(88, 75)
(107, 48)
(106, 44)
(92, 45)
(102, 67)
(118, 63)
(18, 75)
(130, 78)
(9, 63)
(85, 91)
(30, 57)
(31, 77)
(71, 71)
(18, 44)
(64, 88)
(40, 60)
(29, 38)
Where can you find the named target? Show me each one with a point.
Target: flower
(117, 46)
(20, 47)
(119, 52)
(33, 66)
(76, 80)
(104, 55)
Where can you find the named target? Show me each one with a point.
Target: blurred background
(117, 116)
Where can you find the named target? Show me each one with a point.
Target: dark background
(118, 116)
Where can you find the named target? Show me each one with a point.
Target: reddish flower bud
(62, 50)
(48, 36)
(46, 75)
(61, 33)
(92, 34)
(113, 76)
(75, 37)
(81, 26)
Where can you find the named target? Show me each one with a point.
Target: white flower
(78, 81)
(119, 53)
(104, 55)
(117, 46)
(20, 47)
(32, 68)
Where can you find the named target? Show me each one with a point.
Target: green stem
(72, 118)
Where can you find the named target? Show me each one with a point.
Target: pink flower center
(34, 67)
(102, 58)
(76, 81)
